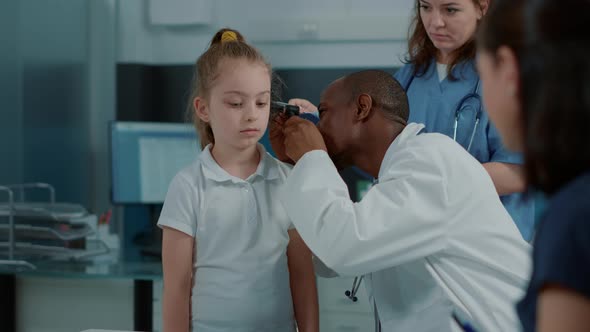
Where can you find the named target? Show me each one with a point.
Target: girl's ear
(201, 109)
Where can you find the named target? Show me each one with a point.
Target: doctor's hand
(277, 138)
(305, 106)
(301, 136)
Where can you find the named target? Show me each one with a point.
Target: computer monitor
(145, 156)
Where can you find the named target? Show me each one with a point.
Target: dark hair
(386, 92)
(555, 84)
(502, 26)
(421, 50)
(207, 70)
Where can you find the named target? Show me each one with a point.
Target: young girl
(232, 259)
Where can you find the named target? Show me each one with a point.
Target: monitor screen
(145, 156)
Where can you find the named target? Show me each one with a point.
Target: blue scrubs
(434, 103)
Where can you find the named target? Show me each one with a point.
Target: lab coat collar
(411, 130)
(267, 167)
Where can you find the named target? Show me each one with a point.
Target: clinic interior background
(68, 68)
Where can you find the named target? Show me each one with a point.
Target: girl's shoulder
(191, 180)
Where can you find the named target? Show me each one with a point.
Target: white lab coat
(431, 236)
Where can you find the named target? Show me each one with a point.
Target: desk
(337, 313)
(142, 273)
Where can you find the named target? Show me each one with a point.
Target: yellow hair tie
(229, 36)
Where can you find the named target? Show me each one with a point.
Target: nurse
(431, 236)
(444, 91)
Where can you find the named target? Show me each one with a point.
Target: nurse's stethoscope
(351, 294)
(460, 106)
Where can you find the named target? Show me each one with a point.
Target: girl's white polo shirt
(241, 277)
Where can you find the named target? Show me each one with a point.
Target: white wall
(292, 34)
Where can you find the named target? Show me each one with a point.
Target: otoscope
(288, 110)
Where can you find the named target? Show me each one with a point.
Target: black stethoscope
(351, 294)
(460, 107)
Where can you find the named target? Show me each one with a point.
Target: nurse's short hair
(387, 93)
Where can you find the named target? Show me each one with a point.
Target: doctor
(431, 236)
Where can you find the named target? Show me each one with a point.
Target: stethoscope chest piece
(351, 294)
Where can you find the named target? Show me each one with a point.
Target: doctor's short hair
(386, 92)
(554, 83)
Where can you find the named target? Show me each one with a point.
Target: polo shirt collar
(267, 167)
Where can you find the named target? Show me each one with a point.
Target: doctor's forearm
(507, 178)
